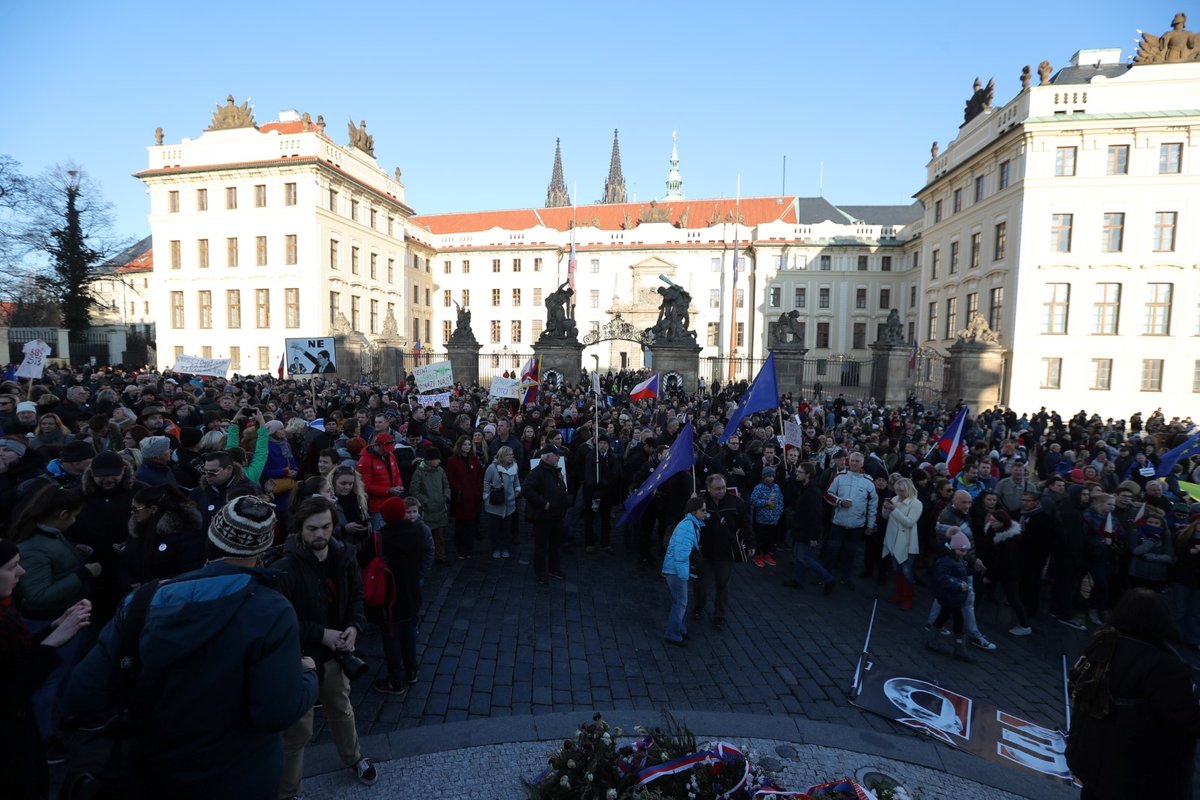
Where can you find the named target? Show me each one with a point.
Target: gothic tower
(674, 179)
(556, 194)
(614, 187)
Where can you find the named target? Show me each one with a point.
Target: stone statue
(341, 326)
(1044, 70)
(462, 327)
(321, 123)
(390, 329)
(306, 119)
(559, 324)
(158, 136)
(787, 328)
(1026, 76)
(397, 175)
(933, 151)
(980, 100)
(673, 318)
(360, 138)
(1176, 46)
(893, 330)
(977, 331)
(230, 116)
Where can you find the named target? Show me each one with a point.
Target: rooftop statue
(1026, 76)
(390, 329)
(361, 139)
(977, 331)
(1176, 46)
(893, 329)
(980, 101)
(1044, 70)
(158, 136)
(230, 116)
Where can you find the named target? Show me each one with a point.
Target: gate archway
(618, 328)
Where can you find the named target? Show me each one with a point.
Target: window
(447, 300)
(353, 261)
(289, 194)
(260, 196)
(931, 331)
(1064, 161)
(1055, 307)
(446, 267)
(775, 296)
(202, 253)
(1000, 244)
(235, 358)
(714, 334)
(1118, 160)
(594, 266)
(823, 298)
(953, 257)
(800, 262)
(1152, 374)
(204, 306)
(537, 265)
(1060, 232)
(233, 308)
(391, 274)
(777, 262)
(916, 259)
(822, 335)
(231, 251)
(374, 321)
(800, 297)
(826, 263)
(262, 308)
(714, 298)
(178, 351)
(594, 298)
(976, 247)
(714, 265)
(416, 330)
(978, 188)
(260, 251)
(885, 263)
(1005, 173)
(495, 331)
(1170, 158)
(466, 267)
(860, 336)
(516, 331)
(516, 265)
(995, 308)
(958, 195)
(391, 221)
(374, 266)
(934, 258)
(495, 297)
(176, 254)
(202, 199)
(230, 197)
(1164, 231)
(289, 249)
(177, 310)
(1158, 309)
(860, 298)
(951, 317)
(972, 305)
(333, 253)
(354, 213)
(537, 297)
(264, 358)
(739, 336)
(1102, 373)
(291, 307)
(1108, 308)
(333, 200)
(1051, 373)
(173, 202)
(335, 306)
(466, 298)
(495, 265)
(447, 329)
(885, 299)
(937, 211)
(355, 312)
(516, 297)
(862, 263)
(1114, 232)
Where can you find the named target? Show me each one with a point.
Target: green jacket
(432, 488)
(55, 578)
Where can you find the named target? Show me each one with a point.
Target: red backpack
(379, 585)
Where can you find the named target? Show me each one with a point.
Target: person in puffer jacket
(380, 474)
(950, 586)
(766, 502)
(677, 567)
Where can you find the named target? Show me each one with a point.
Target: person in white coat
(901, 540)
(502, 476)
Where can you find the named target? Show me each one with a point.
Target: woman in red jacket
(380, 475)
(465, 473)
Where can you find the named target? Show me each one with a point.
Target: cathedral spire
(614, 187)
(556, 194)
(674, 179)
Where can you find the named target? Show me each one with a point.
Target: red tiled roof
(292, 126)
(753, 210)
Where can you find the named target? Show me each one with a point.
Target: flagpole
(737, 205)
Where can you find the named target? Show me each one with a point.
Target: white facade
(1089, 262)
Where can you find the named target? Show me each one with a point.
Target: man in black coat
(546, 504)
(601, 471)
(728, 524)
(806, 531)
(322, 582)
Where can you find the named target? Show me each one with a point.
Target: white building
(1068, 218)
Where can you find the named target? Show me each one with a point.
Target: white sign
(791, 434)
(194, 365)
(310, 356)
(36, 353)
(442, 398)
(437, 375)
(508, 388)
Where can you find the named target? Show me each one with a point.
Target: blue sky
(467, 98)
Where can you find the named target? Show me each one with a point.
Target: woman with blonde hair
(501, 488)
(51, 430)
(901, 540)
(350, 496)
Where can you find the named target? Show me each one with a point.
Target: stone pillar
(353, 355)
(564, 356)
(389, 360)
(681, 358)
(464, 360)
(890, 378)
(117, 342)
(789, 367)
(976, 373)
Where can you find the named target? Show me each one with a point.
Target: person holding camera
(322, 582)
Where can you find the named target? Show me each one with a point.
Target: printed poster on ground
(315, 356)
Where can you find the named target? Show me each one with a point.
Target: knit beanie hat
(155, 446)
(26, 406)
(959, 541)
(244, 527)
(393, 509)
(8, 551)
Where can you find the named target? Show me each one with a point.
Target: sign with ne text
(315, 356)
(505, 388)
(437, 375)
(195, 365)
(440, 399)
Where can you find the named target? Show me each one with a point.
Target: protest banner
(442, 399)
(791, 435)
(36, 353)
(505, 388)
(195, 365)
(437, 375)
(314, 356)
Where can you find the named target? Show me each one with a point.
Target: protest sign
(314, 356)
(194, 365)
(442, 399)
(791, 434)
(36, 353)
(437, 375)
(506, 388)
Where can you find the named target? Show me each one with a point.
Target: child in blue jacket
(677, 566)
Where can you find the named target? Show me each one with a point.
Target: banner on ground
(36, 353)
(963, 722)
(437, 375)
(440, 398)
(310, 356)
(195, 365)
(505, 388)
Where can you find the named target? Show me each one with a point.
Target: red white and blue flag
(282, 365)
(912, 357)
(530, 378)
(952, 446)
(646, 390)
(571, 262)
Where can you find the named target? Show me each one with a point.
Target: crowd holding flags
(530, 378)
(763, 394)
(679, 459)
(646, 390)
(952, 445)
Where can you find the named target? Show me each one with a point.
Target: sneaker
(759, 561)
(413, 678)
(1071, 623)
(365, 771)
(982, 643)
(495, 554)
(506, 554)
(770, 559)
(1018, 630)
(385, 686)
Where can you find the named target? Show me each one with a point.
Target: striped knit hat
(244, 527)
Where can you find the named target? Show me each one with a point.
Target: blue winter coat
(949, 573)
(758, 501)
(685, 540)
(222, 649)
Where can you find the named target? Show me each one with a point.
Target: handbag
(497, 495)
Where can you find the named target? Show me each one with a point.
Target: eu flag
(763, 394)
(679, 459)
(1172, 457)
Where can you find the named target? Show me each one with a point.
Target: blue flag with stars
(763, 394)
(679, 459)
(1172, 457)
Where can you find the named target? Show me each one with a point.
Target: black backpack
(1088, 680)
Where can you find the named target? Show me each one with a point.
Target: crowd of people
(146, 511)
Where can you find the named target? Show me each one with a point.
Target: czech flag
(646, 390)
(952, 446)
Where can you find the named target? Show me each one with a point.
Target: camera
(353, 666)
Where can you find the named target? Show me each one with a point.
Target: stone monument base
(389, 361)
(789, 368)
(464, 360)
(564, 357)
(976, 374)
(682, 360)
(890, 377)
